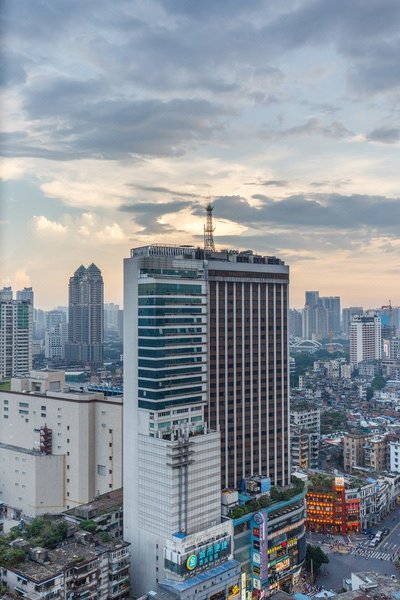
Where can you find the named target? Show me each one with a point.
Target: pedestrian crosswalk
(366, 553)
(386, 551)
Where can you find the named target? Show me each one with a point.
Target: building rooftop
(105, 503)
(373, 586)
(68, 555)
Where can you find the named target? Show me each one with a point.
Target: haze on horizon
(122, 120)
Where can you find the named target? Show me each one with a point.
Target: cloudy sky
(122, 119)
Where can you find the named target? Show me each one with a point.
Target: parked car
(385, 530)
(373, 543)
(367, 531)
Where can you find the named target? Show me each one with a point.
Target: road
(349, 554)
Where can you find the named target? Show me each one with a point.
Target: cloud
(87, 227)
(43, 225)
(311, 211)
(313, 126)
(384, 135)
(164, 190)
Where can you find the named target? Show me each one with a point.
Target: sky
(122, 120)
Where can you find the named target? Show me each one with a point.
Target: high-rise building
(15, 338)
(247, 297)
(56, 334)
(365, 338)
(295, 322)
(26, 294)
(111, 316)
(86, 317)
(347, 316)
(321, 316)
(311, 298)
(332, 306)
(205, 398)
(6, 293)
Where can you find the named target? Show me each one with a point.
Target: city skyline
(120, 125)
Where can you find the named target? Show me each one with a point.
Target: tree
(88, 525)
(315, 557)
(378, 383)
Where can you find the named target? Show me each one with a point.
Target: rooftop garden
(320, 483)
(275, 495)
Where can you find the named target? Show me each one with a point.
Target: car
(373, 543)
(371, 536)
(385, 530)
(367, 531)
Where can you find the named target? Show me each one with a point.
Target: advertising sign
(243, 584)
(259, 547)
(201, 558)
(234, 592)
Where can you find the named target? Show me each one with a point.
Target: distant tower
(86, 317)
(209, 230)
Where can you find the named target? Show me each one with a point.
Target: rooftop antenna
(209, 230)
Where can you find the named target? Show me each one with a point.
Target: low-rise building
(330, 507)
(88, 568)
(106, 511)
(270, 542)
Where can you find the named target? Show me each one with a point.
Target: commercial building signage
(201, 558)
(243, 584)
(259, 547)
(234, 592)
(191, 562)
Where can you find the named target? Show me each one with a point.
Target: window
(101, 470)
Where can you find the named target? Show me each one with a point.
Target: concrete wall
(80, 425)
(30, 482)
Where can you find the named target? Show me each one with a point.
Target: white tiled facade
(84, 433)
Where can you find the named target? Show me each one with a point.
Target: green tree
(315, 557)
(88, 525)
(378, 383)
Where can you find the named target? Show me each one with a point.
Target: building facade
(89, 568)
(15, 338)
(86, 317)
(206, 388)
(270, 544)
(333, 510)
(365, 338)
(305, 431)
(58, 449)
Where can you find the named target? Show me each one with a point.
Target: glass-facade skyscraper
(206, 392)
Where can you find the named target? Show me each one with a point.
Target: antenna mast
(209, 230)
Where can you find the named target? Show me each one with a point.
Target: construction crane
(209, 245)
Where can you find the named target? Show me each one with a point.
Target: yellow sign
(339, 482)
(233, 591)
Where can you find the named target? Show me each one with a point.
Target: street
(349, 554)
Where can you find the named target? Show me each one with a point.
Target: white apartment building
(58, 449)
(394, 449)
(54, 341)
(365, 338)
(15, 338)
